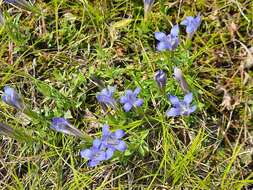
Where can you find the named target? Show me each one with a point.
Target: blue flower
(161, 78)
(10, 1)
(168, 42)
(23, 4)
(191, 24)
(147, 5)
(60, 124)
(112, 141)
(104, 148)
(178, 75)
(130, 99)
(2, 21)
(181, 107)
(19, 3)
(12, 98)
(106, 96)
(94, 154)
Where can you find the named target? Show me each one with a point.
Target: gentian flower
(181, 107)
(147, 5)
(130, 99)
(6, 130)
(104, 148)
(12, 98)
(19, 3)
(112, 141)
(161, 78)
(168, 42)
(191, 24)
(1, 18)
(62, 125)
(178, 75)
(94, 154)
(106, 96)
(23, 4)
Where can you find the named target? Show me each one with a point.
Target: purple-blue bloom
(23, 4)
(104, 148)
(94, 154)
(1, 18)
(161, 78)
(18, 3)
(130, 99)
(191, 24)
(12, 98)
(147, 5)
(10, 1)
(168, 42)
(106, 96)
(181, 107)
(112, 141)
(178, 75)
(61, 124)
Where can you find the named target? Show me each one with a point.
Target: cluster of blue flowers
(103, 148)
(129, 100)
(171, 41)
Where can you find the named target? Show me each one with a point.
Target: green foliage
(53, 53)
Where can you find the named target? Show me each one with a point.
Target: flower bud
(161, 78)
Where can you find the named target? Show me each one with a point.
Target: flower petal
(106, 130)
(129, 93)
(138, 102)
(192, 109)
(86, 153)
(190, 29)
(100, 155)
(174, 30)
(187, 21)
(123, 99)
(188, 98)
(174, 100)
(174, 43)
(9, 91)
(109, 153)
(160, 36)
(127, 107)
(118, 134)
(111, 89)
(96, 143)
(173, 112)
(93, 163)
(137, 91)
(121, 146)
(163, 46)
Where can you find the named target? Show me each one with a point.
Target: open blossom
(161, 78)
(62, 125)
(12, 98)
(181, 107)
(94, 154)
(106, 96)
(191, 24)
(130, 99)
(168, 42)
(104, 148)
(112, 140)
